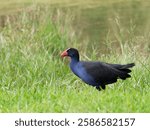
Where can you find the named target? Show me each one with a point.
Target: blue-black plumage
(97, 74)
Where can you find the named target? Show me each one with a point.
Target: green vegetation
(33, 77)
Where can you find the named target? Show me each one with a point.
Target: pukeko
(97, 74)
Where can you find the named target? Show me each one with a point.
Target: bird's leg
(98, 88)
(103, 86)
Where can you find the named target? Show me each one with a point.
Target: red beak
(64, 53)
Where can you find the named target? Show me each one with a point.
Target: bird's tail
(124, 71)
(127, 66)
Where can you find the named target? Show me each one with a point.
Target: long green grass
(33, 77)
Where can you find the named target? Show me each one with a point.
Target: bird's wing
(102, 72)
(119, 66)
(124, 68)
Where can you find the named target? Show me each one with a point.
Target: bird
(95, 73)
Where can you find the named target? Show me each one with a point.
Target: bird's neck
(74, 60)
(73, 65)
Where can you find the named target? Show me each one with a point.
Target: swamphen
(97, 74)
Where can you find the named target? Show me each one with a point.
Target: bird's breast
(80, 71)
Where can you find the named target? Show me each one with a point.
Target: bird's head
(71, 52)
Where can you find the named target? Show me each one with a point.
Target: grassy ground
(33, 77)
